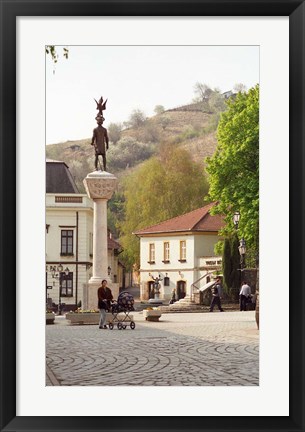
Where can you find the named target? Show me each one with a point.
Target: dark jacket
(104, 298)
(215, 292)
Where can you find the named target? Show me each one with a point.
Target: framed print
(277, 29)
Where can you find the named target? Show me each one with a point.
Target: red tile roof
(113, 244)
(198, 220)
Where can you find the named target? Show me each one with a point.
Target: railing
(68, 199)
(194, 287)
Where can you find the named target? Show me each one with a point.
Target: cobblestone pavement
(182, 349)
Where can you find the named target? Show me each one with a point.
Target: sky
(135, 77)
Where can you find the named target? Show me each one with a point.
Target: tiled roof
(198, 220)
(113, 244)
(59, 178)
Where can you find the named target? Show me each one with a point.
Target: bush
(150, 133)
(128, 152)
(137, 118)
(164, 121)
(159, 109)
(114, 132)
(189, 133)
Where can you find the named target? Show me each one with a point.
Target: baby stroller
(124, 304)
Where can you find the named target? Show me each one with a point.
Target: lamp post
(56, 273)
(236, 218)
(242, 244)
(242, 241)
(242, 251)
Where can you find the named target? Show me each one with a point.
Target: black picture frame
(9, 11)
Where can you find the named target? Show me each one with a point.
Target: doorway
(151, 291)
(181, 289)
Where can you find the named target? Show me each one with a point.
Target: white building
(181, 251)
(69, 240)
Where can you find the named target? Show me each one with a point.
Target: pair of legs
(242, 302)
(96, 161)
(102, 323)
(216, 302)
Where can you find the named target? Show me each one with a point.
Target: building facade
(69, 241)
(180, 252)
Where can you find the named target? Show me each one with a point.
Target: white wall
(59, 215)
(172, 268)
(64, 215)
(204, 247)
(174, 242)
(197, 245)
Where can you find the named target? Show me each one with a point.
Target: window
(151, 253)
(166, 252)
(182, 250)
(66, 242)
(66, 285)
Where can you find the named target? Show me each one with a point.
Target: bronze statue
(101, 106)
(100, 141)
(156, 283)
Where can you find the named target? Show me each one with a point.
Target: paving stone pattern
(208, 349)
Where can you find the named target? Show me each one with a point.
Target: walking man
(216, 294)
(244, 295)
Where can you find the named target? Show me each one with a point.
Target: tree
(114, 132)
(137, 118)
(150, 133)
(164, 121)
(230, 266)
(128, 152)
(235, 263)
(226, 264)
(202, 91)
(51, 50)
(217, 102)
(79, 171)
(240, 88)
(115, 212)
(159, 109)
(163, 187)
(234, 168)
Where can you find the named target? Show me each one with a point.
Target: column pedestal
(100, 186)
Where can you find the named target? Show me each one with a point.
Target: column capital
(100, 185)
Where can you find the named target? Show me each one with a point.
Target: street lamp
(61, 272)
(54, 270)
(56, 273)
(242, 251)
(236, 218)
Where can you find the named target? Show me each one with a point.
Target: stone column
(99, 186)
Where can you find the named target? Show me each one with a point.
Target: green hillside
(186, 126)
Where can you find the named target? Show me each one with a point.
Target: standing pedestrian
(105, 297)
(244, 296)
(216, 295)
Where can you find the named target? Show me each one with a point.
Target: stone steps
(190, 308)
(183, 305)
